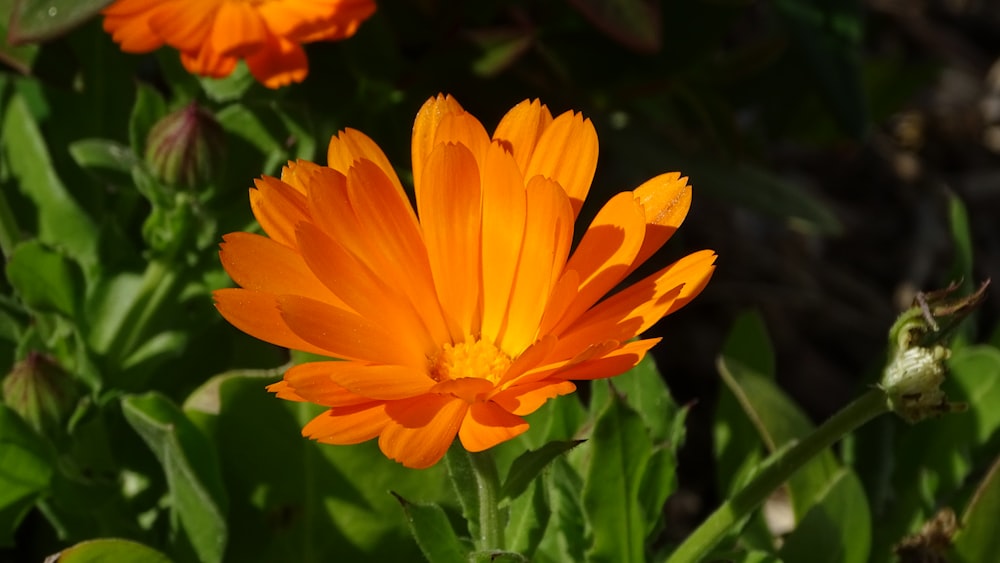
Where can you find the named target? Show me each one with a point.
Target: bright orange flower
(212, 35)
(464, 316)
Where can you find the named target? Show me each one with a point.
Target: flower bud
(182, 149)
(39, 390)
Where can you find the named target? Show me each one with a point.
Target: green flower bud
(184, 147)
(39, 390)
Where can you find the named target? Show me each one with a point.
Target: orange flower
(212, 35)
(463, 317)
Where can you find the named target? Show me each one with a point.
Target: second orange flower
(463, 316)
(213, 35)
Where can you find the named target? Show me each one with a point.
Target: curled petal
(421, 429)
(525, 399)
(348, 425)
(487, 424)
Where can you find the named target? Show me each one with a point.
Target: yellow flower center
(480, 359)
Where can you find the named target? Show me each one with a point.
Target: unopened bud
(184, 147)
(39, 390)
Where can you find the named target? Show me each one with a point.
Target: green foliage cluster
(164, 436)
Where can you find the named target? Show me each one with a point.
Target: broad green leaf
(976, 371)
(466, 485)
(659, 481)
(107, 309)
(26, 467)
(977, 539)
(837, 528)
(193, 477)
(562, 540)
(103, 154)
(528, 520)
(433, 532)
(61, 221)
(229, 88)
(621, 448)
(244, 123)
(527, 467)
(40, 20)
(108, 550)
(44, 279)
(646, 392)
(778, 422)
(293, 499)
(749, 344)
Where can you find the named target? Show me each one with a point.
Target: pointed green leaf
(634, 23)
(646, 392)
(149, 108)
(39, 20)
(433, 532)
(61, 221)
(106, 550)
(103, 154)
(26, 467)
(530, 464)
(463, 480)
(749, 343)
(566, 525)
(659, 481)
(621, 448)
(19, 57)
(189, 462)
(44, 279)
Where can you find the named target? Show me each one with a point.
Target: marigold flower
(466, 315)
(212, 35)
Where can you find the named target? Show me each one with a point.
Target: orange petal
(469, 389)
(388, 238)
(380, 381)
(361, 289)
(278, 62)
(665, 202)
(301, 173)
(312, 382)
(343, 334)
(187, 26)
(450, 205)
(547, 237)
(424, 132)
(128, 23)
(615, 363)
(463, 128)
(238, 29)
(283, 390)
(421, 429)
(504, 210)
(520, 129)
(204, 61)
(525, 399)
(258, 263)
(257, 314)
(351, 145)
(567, 153)
(278, 207)
(486, 424)
(605, 254)
(348, 425)
(638, 307)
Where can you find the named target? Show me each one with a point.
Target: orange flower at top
(212, 35)
(464, 316)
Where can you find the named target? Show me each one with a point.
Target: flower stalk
(491, 536)
(697, 546)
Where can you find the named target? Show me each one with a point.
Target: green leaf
(228, 88)
(749, 344)
(18, 57)
(529, 519)
(61, 222)
(189, 462)
(466, 485)
(106, 550)
(26, 468)
(433, 532)
(646, 392)
(45, 280)
(633, 23)
(977, 539)
(976, 371)
(526, 468)
(40, 20)
(621, 447)
(659, 481)
(244, 123)
(837, 529)
(562, 540)
(107, 308)
(103, 154)
(778, 422)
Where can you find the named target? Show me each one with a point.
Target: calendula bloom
(468, 314)
(213, 35)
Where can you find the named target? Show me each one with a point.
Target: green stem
(158, 284)
(712, 530)
(488, 484)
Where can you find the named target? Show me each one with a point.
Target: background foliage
(843, 155)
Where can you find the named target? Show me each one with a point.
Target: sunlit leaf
(44, 279)
(528, 520)
(105, 550)
(433, 532)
